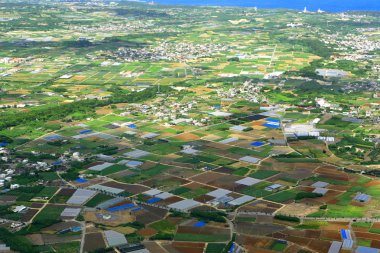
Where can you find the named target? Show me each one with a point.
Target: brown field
(195, 185)
(66, 192)
(331, 234)
(207, 230)
(93, 241)
(261, 229)
(224, 170)
(52, 239)
(132, 188)
(182, 172)
(148, 165)
(215, 146)
(104, 111)
(154, 247)
(207, 177)
(29, 215)
(332, 173)
(164, 177)
(299, 240)
(166, 202)
(319, 246)
(375, 244)
(35, 239)
(367, 235)
(184, 247)
(147, 232)
(204, 198)
(260, 206)
(187, 137)
(226, 182)
(122, 217)
(299, 209)
(150, 214)
(253, 243)
(337, 225)
(36, 205)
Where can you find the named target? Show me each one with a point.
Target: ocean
(312, 5)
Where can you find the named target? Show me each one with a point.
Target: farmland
(129, 126)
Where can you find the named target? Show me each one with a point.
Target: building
(20, 209)
(70, 213)
(361, 197)
(273, 187)
(335, 247)
(115, 239)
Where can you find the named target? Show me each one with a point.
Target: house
(273, 187)
(4, 248)
(321, 191)
(361, 197)
(14, 186)
(20, 209)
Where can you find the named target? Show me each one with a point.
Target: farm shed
(107, 189)
(137, 153)
(100, 167)
(361, 197)
(152, 192)
(218, 193)
(184, 205)
(335, 247)
(114, 238)
(248, 181)
(320, 184)
(238, 128)
(249, 159)
(80, 196)
(70, 213)
(322, 191)
(229, 140)
(150, 135)
(241, 200)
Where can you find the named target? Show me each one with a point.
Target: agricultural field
(127, 126)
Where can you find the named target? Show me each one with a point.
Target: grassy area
(215, 248)
(163, 226)
(245, 219)
(278, 246)
(362, 224)
(69, 247)
(201, 238)
(97, 199)
(47, 192)
(282, 196)
(263, 174)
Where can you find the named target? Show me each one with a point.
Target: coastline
(328, 6)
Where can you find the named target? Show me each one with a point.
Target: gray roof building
(114, 238)
(70, 213)
(184, 205)
(107, 189)
(137, 153)
(80, 196)
(335, 247)
(249, 159)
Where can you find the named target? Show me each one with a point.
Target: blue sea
(312, 5)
